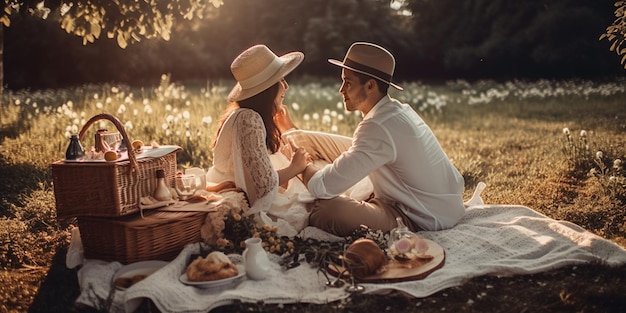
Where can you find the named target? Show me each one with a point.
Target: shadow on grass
(18, 180)
(59, 289)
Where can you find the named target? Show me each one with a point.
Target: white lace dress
(240, 155)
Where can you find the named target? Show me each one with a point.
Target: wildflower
(599, 155)
(583, 133)
(617, 163)
(593, 172)
(326, 119)
(222, 243)
(147, 109)
(207, 120)
(566, 131)
(295, 106)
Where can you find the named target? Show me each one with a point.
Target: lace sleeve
(259, 175)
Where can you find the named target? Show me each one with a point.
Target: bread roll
(364, 257)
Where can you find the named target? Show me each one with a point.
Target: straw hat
(258, 68)
(371, 60)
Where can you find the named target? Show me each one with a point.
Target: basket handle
(118, 124)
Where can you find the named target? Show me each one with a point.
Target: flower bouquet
(226, 228)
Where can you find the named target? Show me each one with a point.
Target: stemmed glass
(185, 186)
(351, 266)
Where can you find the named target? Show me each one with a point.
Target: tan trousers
(342, 215)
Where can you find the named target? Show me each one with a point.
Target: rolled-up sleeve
(371, 149)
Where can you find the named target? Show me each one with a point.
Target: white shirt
(241, 156)
(405, 163)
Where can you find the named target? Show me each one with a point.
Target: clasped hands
(300, 158)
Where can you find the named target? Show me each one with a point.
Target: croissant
(215, 266)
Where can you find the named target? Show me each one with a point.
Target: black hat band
(367, 69)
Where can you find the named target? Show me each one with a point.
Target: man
(412, 177)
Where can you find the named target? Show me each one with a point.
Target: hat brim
(340, 63)
(290, 60)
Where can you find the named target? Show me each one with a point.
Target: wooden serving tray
(397, 271)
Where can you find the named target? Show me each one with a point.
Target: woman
(248, 140)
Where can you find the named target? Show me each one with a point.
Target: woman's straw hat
(371, 60)
(258, 68)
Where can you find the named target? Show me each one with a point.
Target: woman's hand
(299, 160)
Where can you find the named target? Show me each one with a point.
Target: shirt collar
(377, 106)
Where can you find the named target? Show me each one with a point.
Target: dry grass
(514, 146)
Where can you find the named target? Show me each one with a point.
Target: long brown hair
(262, 103)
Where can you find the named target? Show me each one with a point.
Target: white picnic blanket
(489, 240)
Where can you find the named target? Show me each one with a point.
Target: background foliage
(443, 39)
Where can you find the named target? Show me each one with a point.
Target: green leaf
(121, 40)
(5, 20)
(95, 29)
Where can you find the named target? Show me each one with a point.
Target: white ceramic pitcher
(255, 259)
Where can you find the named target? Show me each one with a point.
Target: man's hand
(283, 120)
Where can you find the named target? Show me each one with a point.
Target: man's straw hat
(371, 60)
(258, 68)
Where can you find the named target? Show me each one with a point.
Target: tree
(127, 21)
(505, 39)
(616, 32)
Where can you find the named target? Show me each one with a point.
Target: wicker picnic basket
(108, 189)
(158, 235)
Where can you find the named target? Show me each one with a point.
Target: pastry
(126, 282)
(214, 266)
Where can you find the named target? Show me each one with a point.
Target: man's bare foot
(283, 120)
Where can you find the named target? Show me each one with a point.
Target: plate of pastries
(214, 270)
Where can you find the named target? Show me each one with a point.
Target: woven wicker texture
(107, 188)
(159, 235)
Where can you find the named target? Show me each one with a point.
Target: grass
(509, 135)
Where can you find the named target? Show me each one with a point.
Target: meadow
(554, 146)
